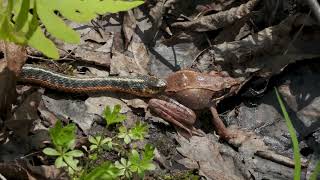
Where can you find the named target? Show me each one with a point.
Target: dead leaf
(206, 152)
(262, 53)
(218, 20)
(125, 66)
(14, 171)
(128, 27)
(140, 55)
(218, 5)
(66, 109)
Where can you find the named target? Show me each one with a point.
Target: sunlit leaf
(124, 134)
(74, 153)
(22, 17)
(143, 162)
(139, 131)
(105, 171)
(54, 24)
(52, 14)
(62, 136)
(59, 162)
(50, 152)
(113, 116)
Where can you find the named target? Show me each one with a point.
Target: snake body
(145, 86)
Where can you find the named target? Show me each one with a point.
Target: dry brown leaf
(140, 55)
(206, 152)
(128, 27)
(217, 5)
(14, 171)
(93, 56)
(263, 53)
(125, 66)
(218, 20)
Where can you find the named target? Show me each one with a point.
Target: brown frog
(194, 90)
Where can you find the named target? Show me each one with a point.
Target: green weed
(132, 161)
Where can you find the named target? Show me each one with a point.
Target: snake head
(155, 85)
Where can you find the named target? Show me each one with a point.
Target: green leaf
(50, 12)
(124, 167)
(51, 152)
(106, 140)
(114, 6)
(142, 163)
(54, 24)
(105, 171)
(39, 41)
(134, 158)
(113, 116)
(74, 153)
(71, 162)
(124, 134)
(107, 143)
(148, 153)
(93, 156)
(59, 162)
(294, 139)
(63, 136)
(93, 147)
(22, 17)
(139, 131)
(92, 140)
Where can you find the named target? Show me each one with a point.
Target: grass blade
(294, 139)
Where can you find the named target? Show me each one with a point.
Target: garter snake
(144, 86)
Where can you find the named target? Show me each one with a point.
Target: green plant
(20, 20)
(104, 171)
(63, 139)
(98, 141)
(132, 161)
(294, 139)
(138, 132)
(143, 162)
(113, 116)
(124, 167)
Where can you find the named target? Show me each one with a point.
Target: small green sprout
(63, 139)
(131, 162)
(98, 141)
(294, 139)
(113, 116)
(105, 171)
(124, 134)
(144, 162)
(124, 167)
(139, 131)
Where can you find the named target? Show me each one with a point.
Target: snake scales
(145, 86)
